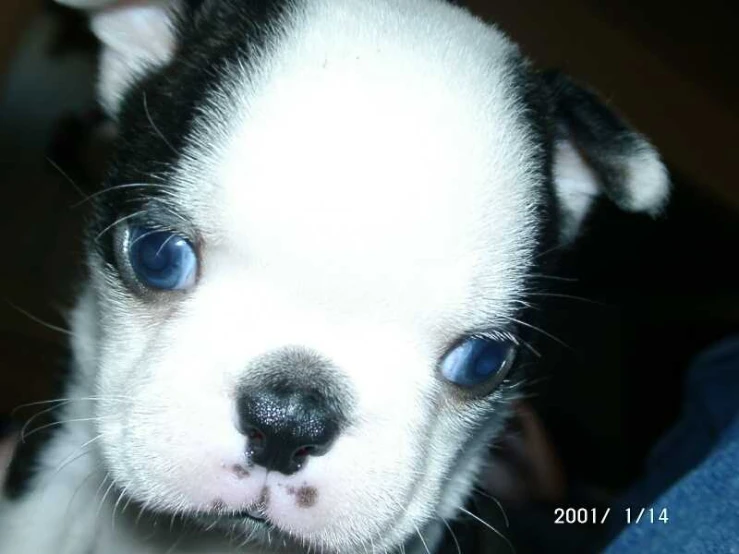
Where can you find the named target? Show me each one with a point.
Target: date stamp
(599, 516)
(635, 516)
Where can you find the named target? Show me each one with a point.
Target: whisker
(102, 500)
(55, 423)
(487, 525)
(33, 418)
(525, 304)
(118, 222)
(97, 492)
(177, 542)
(143, 236)
(76, 455)
(125, 506)
(404, 510)
(172, 520)
(107, 190)
(77, 490)
(549, 251)
(66, 176)
(151, 122)
(531, 349)
(538, 329)
(553, 277)
(40, 321)
(479, 491)
(142, 509)
(211, 525)
(68, 400)
(454, 536)
(164, 244)
(519, 341)
(423, 541)
(115, 507)
(567, 297)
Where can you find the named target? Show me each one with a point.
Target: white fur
(576, 187)
(136, 37)
(645, 187)
(366, 193)
(648, 182)
(324, 230)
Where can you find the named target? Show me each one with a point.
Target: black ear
(596, 152)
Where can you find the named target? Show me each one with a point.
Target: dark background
(651, 294)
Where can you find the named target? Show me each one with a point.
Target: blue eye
(161, 259)
(476, 360)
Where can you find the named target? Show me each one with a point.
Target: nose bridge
(320, 307)
(291, 370)
(291, 406)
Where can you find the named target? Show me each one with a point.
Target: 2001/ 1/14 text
(585, 516)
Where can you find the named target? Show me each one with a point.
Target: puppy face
(310, 261)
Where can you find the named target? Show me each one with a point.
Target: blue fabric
(694, 471)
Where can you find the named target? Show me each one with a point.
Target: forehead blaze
(345, 164)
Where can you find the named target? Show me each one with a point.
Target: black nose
(285, 424)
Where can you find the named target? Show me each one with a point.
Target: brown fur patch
(305, 497)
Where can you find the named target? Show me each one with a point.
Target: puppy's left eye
(477, 360)
(161, 259)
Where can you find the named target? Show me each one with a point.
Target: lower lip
(250, 515)
(243, 515)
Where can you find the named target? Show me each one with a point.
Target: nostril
(257, 440)
(303, 452)
(301, 455)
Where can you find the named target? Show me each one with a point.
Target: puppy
(310, 268)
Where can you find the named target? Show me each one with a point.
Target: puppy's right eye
(161, 259)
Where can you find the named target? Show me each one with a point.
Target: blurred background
(640, 297)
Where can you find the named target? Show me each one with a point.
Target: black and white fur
(367, 181)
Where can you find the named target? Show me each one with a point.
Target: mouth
(254, 515)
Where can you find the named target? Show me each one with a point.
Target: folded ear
(595, 152)
(138, 36)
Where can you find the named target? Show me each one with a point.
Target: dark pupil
(156, 253)
(485, 359)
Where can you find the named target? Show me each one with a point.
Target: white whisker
(454, 536)
(66, 176)
(487, 525)
(40, 321)
(153, 125)
(118, 222)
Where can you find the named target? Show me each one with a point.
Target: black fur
(41, 424)
(605, 141)
(157, 113)
(24, 464)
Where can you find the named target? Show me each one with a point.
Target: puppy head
(311, 259)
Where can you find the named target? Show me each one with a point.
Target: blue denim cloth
(693, 473)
